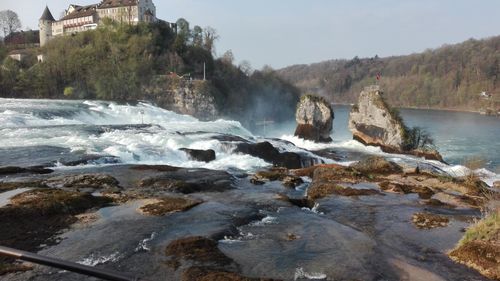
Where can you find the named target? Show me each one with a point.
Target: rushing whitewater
(109, 129)
(146, 134)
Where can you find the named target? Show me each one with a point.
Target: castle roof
(81, 11)
(116, 3)
(47, 15)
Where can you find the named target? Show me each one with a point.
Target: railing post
(101, 273)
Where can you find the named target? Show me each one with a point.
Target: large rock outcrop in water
(192, 97)
(269, 153)
(314, 118)
(373, 122)
(200, 155)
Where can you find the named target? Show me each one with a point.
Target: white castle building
(80, 18)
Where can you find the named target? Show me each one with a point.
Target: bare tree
(209, 37)
(246, 67)
(183, 27)
(9, 21)
(228, 57)
(129, 14)
(197, 35)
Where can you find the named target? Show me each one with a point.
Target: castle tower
(45, 25)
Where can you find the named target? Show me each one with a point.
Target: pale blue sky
(285, 32)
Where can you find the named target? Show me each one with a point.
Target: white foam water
(301, 274)
(487, 176)
(95, 259)
(144, 245)
(112, 129)
(266, 220)
(350, 144)
(76, 125)
(314, 209)
(229, 240)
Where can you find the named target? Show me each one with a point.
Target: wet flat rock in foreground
(370, 221)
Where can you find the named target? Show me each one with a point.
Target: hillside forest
(449, 77)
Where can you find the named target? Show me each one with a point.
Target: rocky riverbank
(373, 219)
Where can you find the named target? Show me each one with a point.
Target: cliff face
(195, 98)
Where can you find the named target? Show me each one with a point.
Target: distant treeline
(117, 61)
(451, 77)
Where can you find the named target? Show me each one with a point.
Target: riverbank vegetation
(451, 77)
(117, 61)
(480, 246)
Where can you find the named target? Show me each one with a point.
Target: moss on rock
(482, 256)
(309, 171)
(36, 216)
(94, 181)
(429, 221)
(321, 190)
(168, 205)
(480, 246)
(277, 174)
(378, 165)
(337, 174)
(422, 191)
(198, 249)
(211, 274)
(50, 201)
(6, 186)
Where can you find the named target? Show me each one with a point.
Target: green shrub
(417, 138)
(486, 229)
(69, 91)
(413, 138)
